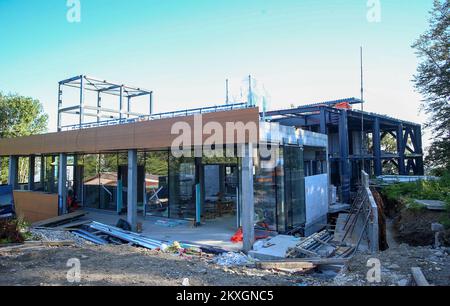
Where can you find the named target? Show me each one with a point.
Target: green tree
(19, 116)
(432, 80)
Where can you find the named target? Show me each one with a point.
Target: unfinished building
(121, 162)
(356, 139)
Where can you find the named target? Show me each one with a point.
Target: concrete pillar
(248, 205)
(31, 170)
(62, 184)
(132, 189)
(377, 147)
(13, 171)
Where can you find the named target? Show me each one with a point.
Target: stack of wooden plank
(64, 222)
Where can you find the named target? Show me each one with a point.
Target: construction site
(251, 146)
(304, 212)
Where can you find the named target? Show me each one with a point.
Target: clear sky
(303, 51)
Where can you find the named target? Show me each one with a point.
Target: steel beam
(419, 150)
(377, 147)
(344, 161)
(400, 150)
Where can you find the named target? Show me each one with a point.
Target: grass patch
(406, 193)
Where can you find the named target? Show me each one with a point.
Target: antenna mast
(362, 111)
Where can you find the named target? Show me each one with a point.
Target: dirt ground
(131, 266)
(126, 266)
(396, 263)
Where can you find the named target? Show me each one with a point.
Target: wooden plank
(72, 224)
(316, 261)
(74, 215)
(152, 134)
(419, 278)
(284, 265)
(36, 244)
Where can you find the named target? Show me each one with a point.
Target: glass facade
(157, 183)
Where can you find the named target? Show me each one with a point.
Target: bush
(13, 231)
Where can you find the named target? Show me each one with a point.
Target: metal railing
(166, 115)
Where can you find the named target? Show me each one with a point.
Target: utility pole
(250, 98)
(362, 112)
(227, 100)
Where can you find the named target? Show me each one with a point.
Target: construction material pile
(233, 259)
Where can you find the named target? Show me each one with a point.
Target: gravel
(54, 235)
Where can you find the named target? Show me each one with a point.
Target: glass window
(294, 186)
(91, 180)
(182, 182)
(157, 183)
(265, 195)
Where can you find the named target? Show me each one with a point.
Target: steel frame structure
(326, 119)
(84, 83)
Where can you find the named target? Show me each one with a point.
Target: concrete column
(31, 170)
(248, 209)
(132, 189)
(13, 171)
(377, 147)
(62, 184)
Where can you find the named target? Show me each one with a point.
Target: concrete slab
(274, 248)
(432, 204)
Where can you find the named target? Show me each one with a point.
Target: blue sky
(303, 51)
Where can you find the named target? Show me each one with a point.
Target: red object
(343, 105)
(239, 236)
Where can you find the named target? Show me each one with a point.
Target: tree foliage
(19, 116)
(432, 80)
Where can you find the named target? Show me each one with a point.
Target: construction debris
(233, 259)
(419, 278)
(60, 221)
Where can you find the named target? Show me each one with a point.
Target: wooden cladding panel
(35, 206)
(155, 134)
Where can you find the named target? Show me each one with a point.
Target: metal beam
(377, 147)
(344, 162)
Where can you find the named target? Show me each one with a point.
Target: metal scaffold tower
(123, 93)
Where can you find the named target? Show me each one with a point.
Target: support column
(42, 174)
(62, 184)
(400, 151)
(13, 172)
(132, 189)
(345, 162)
(31, 172)
(377, 147)
(248, 209)
(323, 121)
(81, 100)
(419, 150)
